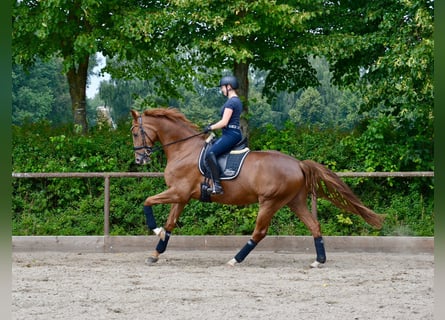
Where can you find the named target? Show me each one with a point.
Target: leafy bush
(74, 206)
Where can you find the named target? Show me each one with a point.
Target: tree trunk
(241, 72)
(77, 81)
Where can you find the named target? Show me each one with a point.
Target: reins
(181, 140)
(154, 149)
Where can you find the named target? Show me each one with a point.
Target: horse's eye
(135, 135)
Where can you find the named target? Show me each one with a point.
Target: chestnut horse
(269, 178)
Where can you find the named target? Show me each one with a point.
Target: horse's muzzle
(142, 158)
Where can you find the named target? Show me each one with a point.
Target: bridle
(147, 150)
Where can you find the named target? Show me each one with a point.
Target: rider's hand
(207, 129)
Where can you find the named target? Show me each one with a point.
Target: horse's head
(142, 142)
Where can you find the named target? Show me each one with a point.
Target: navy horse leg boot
(214, 170)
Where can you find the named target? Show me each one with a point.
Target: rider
(230, 125)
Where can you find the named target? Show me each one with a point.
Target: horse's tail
(326, 184)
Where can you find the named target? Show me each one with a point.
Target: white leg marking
(160, 232)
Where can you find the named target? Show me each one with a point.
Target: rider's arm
(224, 120)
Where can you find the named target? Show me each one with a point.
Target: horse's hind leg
(299, 207)
(265, 214)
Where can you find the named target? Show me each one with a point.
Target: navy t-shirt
(236, 105)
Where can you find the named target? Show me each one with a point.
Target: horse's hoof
(151, 260)
(232, 262)
(316, 264)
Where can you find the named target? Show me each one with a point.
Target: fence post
(107, 206)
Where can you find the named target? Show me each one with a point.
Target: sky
(93, 87)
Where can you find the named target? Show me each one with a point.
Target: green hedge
(74, 206)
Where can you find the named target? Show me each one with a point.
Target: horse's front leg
(178, 201)
(170, 195)
(164, 234)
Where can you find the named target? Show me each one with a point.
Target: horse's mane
(172, 114)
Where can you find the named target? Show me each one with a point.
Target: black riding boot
(214, 170)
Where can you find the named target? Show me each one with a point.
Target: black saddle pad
(229, 163)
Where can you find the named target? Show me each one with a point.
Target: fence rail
(107, 175)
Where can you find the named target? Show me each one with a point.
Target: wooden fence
(107, 175)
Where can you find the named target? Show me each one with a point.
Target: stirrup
(215, 189)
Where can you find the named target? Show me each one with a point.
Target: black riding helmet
(233, 81)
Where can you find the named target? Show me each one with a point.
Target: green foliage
(74, 31)
(386, 145)
(391, 43)
(53, 28)
(382, 50)
(40, 93)
(74, 206)
(325, 106)
(177, 42)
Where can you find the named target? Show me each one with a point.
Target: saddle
(229, 163)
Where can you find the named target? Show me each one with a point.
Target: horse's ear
(135, 114)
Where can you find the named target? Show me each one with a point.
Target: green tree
(41, 93)
(29, 102)
(385, 47)
(237, 36)
(201, 105)
(309, 109)
(327, 105)
(45, 29)
(74, 31)
(122, 95)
